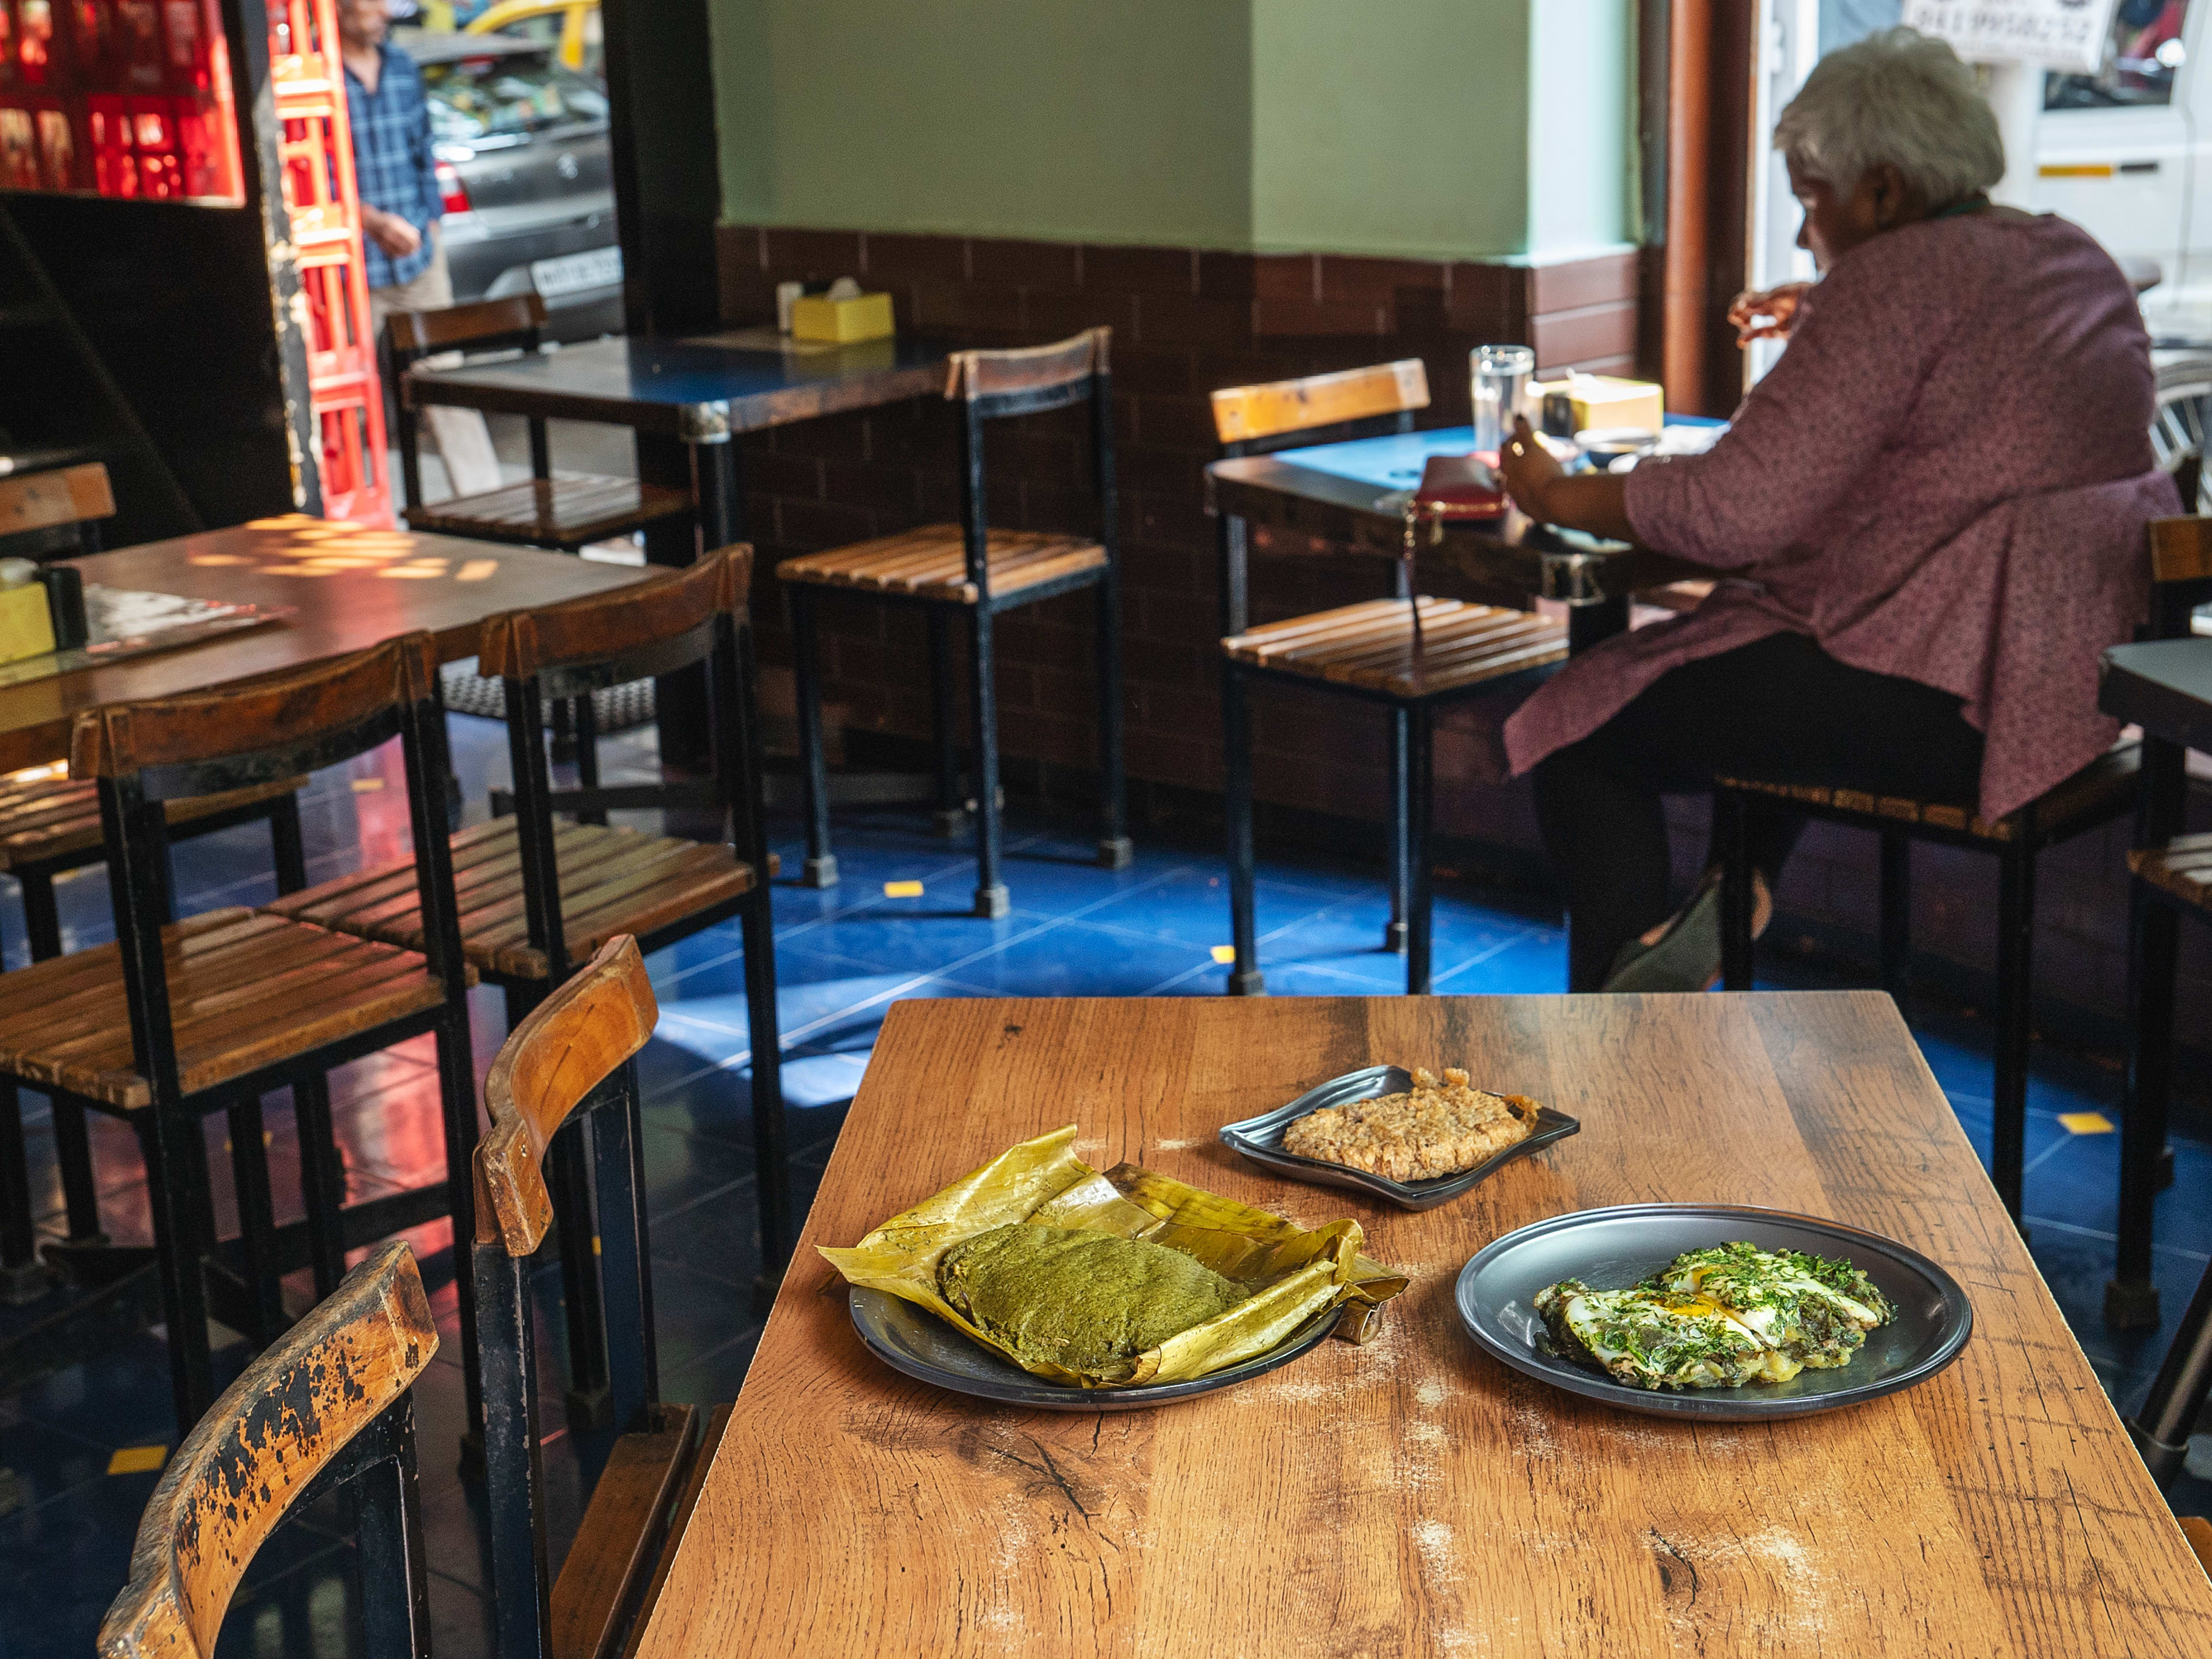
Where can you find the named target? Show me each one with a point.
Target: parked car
(521, 146)
(570, 28)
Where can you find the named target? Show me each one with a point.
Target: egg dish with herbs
(1719, 1318)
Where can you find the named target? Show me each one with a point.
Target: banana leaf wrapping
(1292, 1274)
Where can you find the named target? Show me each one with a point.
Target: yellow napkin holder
(27, 624)
(1603, 401)
(841, 322)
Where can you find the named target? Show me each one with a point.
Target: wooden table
(1351, 497)
(686, 400)
(1414, 1497)
(351, 588)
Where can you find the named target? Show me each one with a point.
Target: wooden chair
(570, 1067)
(175, 1020)
(1371, 652)
(969, 568)
(2103, 790)
(330, 1408)
(537, 897)
(54, 513)
(566, 511)
(2173, 879)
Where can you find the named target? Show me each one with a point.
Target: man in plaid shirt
(400, 204)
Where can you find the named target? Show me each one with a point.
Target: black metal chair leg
(568, 1166)
(587, 755)
(1896, 925)
(1245, 979)
(1730, 824)
(2155, 940)
(177, 1187)
(80, 1180)
(990, 890)
(1420, 806)
(952, 817)
(457, 1094)
(821, 867)
(771, 1158)
(1394, 933)
(257, 1219)
(564, 730)
(1115, 850)
(289, 850)
(42, 922)
(21, 1278)
(2161, 1427)
(322, 1182)
(2016, 969)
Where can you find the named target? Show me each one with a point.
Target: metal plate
(1610, 1249)
(911, 1339)
(1261, 1139)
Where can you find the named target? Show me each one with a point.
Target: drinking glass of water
(1498, 374)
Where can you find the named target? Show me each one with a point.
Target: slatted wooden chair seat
(245, 992)
(932, 563)
(564, 510)
(1371, 646)
(2182, 869)
(2097, 793)
(50, 819)
(1371, 650)
(612, 881)
(567, 510)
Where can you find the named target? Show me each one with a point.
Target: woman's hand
(1770, 315)
(1547, 492)
(1527, 469)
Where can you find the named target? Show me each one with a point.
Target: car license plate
(572, 273)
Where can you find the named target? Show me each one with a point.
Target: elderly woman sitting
(1926, 523)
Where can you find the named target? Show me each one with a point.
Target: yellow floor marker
(2085, 1123)
(902, 890)
(1225, 953)
(137, 1459)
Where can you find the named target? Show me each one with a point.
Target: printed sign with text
(2067, 34)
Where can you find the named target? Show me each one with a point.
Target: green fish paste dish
(1088, 1301)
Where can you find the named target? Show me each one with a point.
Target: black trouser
(1781, 710)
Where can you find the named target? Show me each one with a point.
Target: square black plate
(1261, 1139)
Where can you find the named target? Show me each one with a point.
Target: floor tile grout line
(1497, 950)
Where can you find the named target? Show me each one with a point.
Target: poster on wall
(2063, 34)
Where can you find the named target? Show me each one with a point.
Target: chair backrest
(572, 1059)
(54, 510)
(1250, 419)
(573, 648)
(482, 326)
(991, 385)
(277, 726)
(327, 1406)
(2181, 574)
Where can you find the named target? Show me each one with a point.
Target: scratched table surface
(1413, 1495)
(348, 588)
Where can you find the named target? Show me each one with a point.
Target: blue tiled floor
(843, 957)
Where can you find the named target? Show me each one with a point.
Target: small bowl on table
(1261, 1139)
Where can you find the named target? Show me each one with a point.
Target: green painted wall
(1582, 132)
(1128, 122)
(1277, 124)
(1393, 128)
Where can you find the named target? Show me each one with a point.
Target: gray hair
(1898, 97)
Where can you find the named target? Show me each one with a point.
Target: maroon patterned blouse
(1946, 477)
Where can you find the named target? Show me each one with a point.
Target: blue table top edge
(1394, 461)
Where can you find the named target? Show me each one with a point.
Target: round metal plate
(1610, 1249)
(911, 1339)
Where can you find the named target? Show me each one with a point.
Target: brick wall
(1184, 323)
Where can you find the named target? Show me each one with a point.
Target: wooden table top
(351, 589)
(1415, 1496)
(700, 390)
(2165, 686)
(1349, 496)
